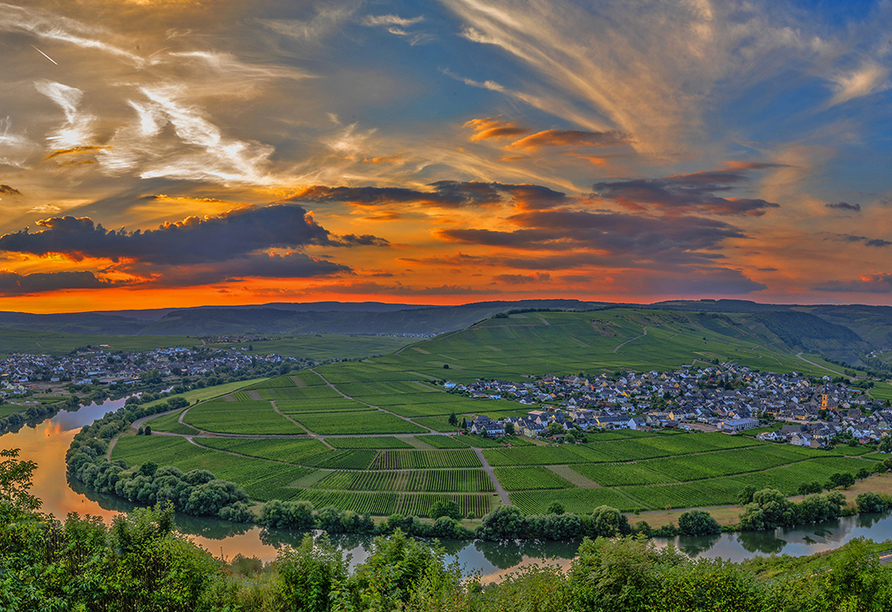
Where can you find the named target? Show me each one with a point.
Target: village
(21, 373)
(727, 398)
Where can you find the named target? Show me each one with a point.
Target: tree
(698, 523)
(871, 502)
(844, 480)
(620, 575)
(503, 523)
(453, 420)
(15, 482)
(556, 508)
(509, 428)
(448, 508)
(746, 495)
(768, 510)
(608, 522)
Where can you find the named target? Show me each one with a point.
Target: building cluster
(20, 372)
(727, 397)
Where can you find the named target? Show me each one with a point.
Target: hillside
(537, 343)
(845, 333)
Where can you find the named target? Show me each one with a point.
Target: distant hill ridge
(839, 331)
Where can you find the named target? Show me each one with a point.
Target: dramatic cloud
(7, 190)
(569, 138)
(12, 284)
(685, 193)
(608, 238)
(193, 240)
(254, 265)
(868, 283)
(445, 194)
(845, 206)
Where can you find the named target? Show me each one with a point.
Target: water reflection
(694, 546)
(763, 542)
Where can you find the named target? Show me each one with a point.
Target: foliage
(697, 523)
(768, 510)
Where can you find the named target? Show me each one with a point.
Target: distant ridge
(843, 332)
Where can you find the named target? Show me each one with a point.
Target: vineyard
(240, 417)
(421, 481)
(368, 422)
(372, 460)
(520, 478)
(421, 459)
(376, 442)
(419, 504)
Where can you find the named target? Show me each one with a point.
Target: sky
(172, 153)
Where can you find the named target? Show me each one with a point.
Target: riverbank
(727, 516)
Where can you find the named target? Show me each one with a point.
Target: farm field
(7, 409)
(324, 347)
(170, 423)
(385, 460)
(240, 418)
(366, 422)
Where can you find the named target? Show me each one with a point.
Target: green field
(170, 423)
(324, 347)
(7, 409)
(200, 395)
(261, 479)
(363, 466)
(367, 422)
(240, 418)
(59, 344)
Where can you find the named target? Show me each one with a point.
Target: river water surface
(47, 443)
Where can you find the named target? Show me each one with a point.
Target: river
(47, 443)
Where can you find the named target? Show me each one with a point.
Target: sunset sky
(158, 153)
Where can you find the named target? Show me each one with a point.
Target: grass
(240, 418)
(8, 409)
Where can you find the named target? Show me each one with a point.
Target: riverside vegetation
(141, 563)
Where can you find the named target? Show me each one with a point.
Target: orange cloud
(75, 151)
(489, 128)
(385, 160)
(569, 138)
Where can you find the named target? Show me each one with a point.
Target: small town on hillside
(21, 373)
(727, 397)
